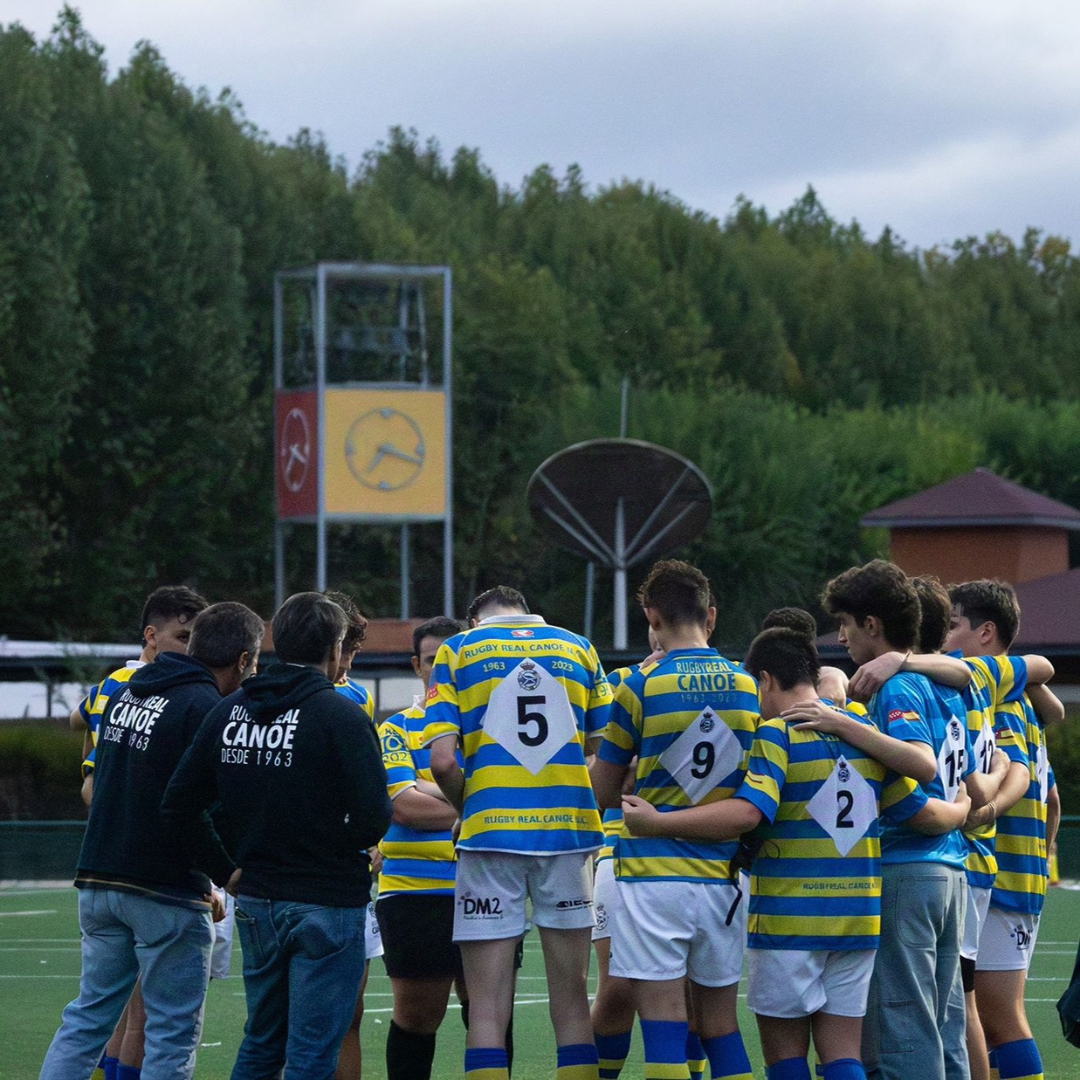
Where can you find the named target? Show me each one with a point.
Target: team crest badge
(954, 729)
(843, 771)
(521, 633)
(528, 677)
(707, 722)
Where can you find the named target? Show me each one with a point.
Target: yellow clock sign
(385, 453)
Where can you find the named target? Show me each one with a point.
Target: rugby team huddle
(875, 851)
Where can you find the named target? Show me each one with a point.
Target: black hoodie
(147, 727)
(297, 775)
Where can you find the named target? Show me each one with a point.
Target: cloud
(941, 118)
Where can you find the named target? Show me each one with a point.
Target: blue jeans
(125, 936)
(302, 969)
(915, 1019)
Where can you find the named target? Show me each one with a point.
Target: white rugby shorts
(978, 902)
(491, 887)
(1008, 941)
(667, 929)
(605, 898)
(790, 983)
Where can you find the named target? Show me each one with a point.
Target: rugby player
(812, 934)
(985, 620)
(689, 719)
(415, 908)
(523, 697)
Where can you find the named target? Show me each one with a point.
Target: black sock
(408, 1054)
(465, 1013)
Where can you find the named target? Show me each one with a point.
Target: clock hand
(393, 451)
(380, 454)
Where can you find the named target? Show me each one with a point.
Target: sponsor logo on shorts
(1022, 937)
(601, 917)
(528, 677)
(481, 907)
(571, 905)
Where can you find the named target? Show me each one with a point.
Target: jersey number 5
(527, 717)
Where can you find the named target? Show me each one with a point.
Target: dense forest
(811, 371)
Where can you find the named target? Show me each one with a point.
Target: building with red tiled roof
(978, 525)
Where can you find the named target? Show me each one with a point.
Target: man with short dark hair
(688, 719)
(300, 789)
(523, 698)
(166, 622)
(144, 900)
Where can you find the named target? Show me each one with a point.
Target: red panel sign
(296, 454)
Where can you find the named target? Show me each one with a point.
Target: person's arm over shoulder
(1047, 704)
(912, 759)
(873, 675)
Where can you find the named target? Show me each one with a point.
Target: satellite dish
(619, 502)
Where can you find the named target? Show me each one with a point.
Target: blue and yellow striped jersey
(994, 680)
(355, 692)
(911, 708)
(92, 707)
(816, 880)
(523, 697)
(414, 860)
(1020, 884)
(690, 719)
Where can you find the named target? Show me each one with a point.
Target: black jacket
(297, 776)
(147, 727)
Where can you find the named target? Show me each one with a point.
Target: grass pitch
(39, 974)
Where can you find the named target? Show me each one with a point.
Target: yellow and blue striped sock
(577, 1061)
(486, 1063)
(1019, 1060)
(665, 1049)
(695, 1056)
(612, 1051)
(727, 1057)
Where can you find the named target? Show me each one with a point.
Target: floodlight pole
(620, 575)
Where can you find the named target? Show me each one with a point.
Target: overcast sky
(941, 119)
